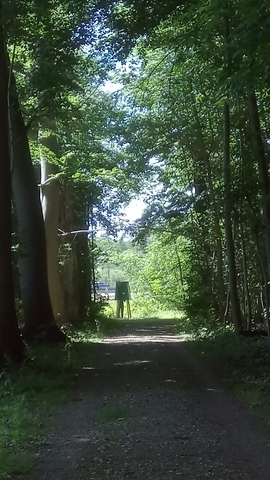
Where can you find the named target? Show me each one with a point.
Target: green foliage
(154, 272)
(172, 96)
(161, 136)
(244, 363)
(27, 396)
(144, 307)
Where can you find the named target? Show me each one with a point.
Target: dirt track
(146, 408)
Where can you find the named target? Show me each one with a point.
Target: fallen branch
(73, 232)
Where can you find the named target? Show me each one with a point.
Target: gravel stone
(147, 408)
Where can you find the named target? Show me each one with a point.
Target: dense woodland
(186, 128)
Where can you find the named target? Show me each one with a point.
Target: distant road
(110, 291)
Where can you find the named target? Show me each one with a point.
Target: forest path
(145, 407)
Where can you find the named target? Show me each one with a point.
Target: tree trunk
(68, 255)
(205, 161)
(93, 269)
(265, 187)
(84, 274)
(245, 272)
(82, 220)
(11, 344)
(39, 321)
(50, 195)
(247, 301)
(235, 304)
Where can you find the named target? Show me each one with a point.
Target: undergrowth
(28, 394)
(243, 362)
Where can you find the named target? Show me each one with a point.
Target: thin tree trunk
(11, 344)
(245, 272)
(68, 254)
(217, 230)
(83, 274)
(81, 213)
(227, 305)
(243, 243)
(265, 187)
(93, 271)
(180, 278)
(235, 303)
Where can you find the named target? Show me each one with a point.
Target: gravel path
(147, 408)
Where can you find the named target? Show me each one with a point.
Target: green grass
(29, 394)
(244, 363)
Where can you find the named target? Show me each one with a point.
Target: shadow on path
(144, 407)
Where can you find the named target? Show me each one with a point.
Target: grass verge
(28, 395)
(244, 363)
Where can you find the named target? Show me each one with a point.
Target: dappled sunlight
(214, 390)
(163, 338)
(121, 364)
(132, 362)
(153, 333)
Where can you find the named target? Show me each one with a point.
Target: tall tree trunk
(93, 266)
(84, 273)
(241, 223)
(245, 272)
(219, 251)
(235, 303)
(68, 253)
(50, 195)
(11, 344)
(205, 162)
(180, 277)
(39, 320)
(82, 221)
(265, 187)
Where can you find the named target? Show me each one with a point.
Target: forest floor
(144, 406)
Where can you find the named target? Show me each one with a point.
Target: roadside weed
(243, 362)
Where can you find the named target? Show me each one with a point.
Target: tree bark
(247, 301)
(84, 273)
(245, 272)
(11, 344)
(235, 303)
(68, 254)
(205, 161)
(50, 195)
(265, 187)
(39, 320)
